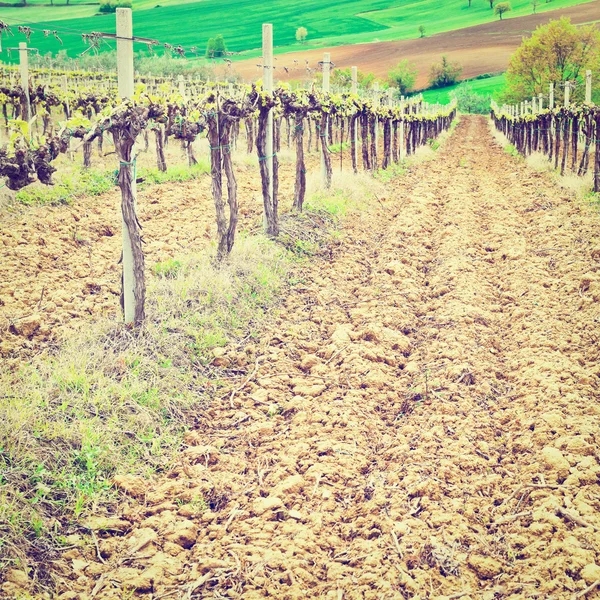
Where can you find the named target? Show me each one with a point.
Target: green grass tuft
(84, 182)
(175, 173)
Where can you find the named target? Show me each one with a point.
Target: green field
(329, 22)
(488, 86)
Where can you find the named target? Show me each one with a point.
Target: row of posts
(537, 103)
(125, 86)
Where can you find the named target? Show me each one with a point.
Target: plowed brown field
(423, 421)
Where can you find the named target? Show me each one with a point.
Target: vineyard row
(261, 108)
(567, 134)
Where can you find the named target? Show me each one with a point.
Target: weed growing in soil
(511, 150)
(115, 400)
(93, 182)
(175, 173)
(86, 182)
(168, 268)
(335, 148)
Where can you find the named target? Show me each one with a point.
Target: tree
(555, 53)
(343, 78)
(492, 2)
(422, 30)
(210, 48)
(534, 5)
(469, 1)
(220, 47)
(403, 77)
(470, 101)
(301, 34)
(444, 73)
(501, 8)
(216, 47)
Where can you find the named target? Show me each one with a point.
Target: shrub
(403, 76)
(470, 101)
(444, 73)
(110, 6)
(301, 34)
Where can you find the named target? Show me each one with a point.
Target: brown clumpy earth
(60, 264)
(423, 421)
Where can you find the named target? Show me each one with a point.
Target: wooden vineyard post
(325, 176)
(354, 88)
(24, 72)
(588, 86)
(133, 292)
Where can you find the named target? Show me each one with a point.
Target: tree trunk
(249, 124)
(585, 157)
(231, 186)
(160, 151)
(387, 146)
(300, 185)
(217, 184)
(597, 158)
(574, 143)
(132, 227)
(325, 150)
(566, 132)
(270, 204)
(190, 154)
(87, 154)
(353, 121)
(373, 124)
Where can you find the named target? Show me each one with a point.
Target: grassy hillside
(491, 85)
(333, 22)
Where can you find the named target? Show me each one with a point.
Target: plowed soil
(423, 420)
(60, 264)
(480, 49)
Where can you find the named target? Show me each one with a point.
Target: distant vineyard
(569, 135)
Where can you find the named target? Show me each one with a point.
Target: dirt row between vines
(423, 421)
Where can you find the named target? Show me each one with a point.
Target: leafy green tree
(301, 34)
(534, 5)
(502, 8)
(469, 101)
(220, 47)
(210, 48)
(422, 31)
(555, 53)
(444, 73)
(343, 78)
(403, 77)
